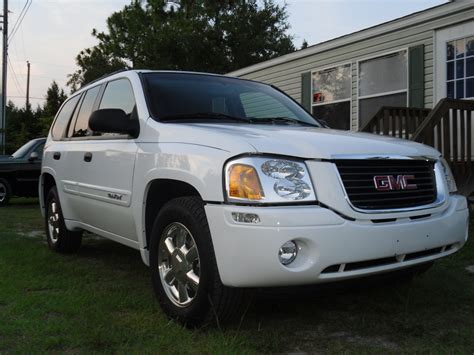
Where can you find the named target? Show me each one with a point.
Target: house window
(332, 96)
(460, 68)
(383, 81)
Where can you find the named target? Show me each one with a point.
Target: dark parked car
(19, 173)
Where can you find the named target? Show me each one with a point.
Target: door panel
(104, 185)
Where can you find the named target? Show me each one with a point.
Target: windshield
(23, 150)
(195, 97)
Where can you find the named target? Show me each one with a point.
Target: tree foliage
(24, 124)
(201, 35)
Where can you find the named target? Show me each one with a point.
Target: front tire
(59, 238)
(5, 192)
(184, 269)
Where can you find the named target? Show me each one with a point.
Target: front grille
(358, 179)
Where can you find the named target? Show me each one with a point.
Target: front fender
(196, 165)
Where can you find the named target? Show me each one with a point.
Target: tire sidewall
(53, 194)
(197, 310)
(8, 190)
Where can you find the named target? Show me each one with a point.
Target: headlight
(448, 174)
(267, 180)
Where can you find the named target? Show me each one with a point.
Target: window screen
(337, 115)
(63, 118)
(383, 74)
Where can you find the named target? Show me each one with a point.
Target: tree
(202, 35)
(54, 99)
(24, 124)
(304, 45)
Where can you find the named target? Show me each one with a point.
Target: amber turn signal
(244, 183)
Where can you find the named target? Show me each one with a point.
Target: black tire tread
(224, 302)
(69, 242)
(9, 192)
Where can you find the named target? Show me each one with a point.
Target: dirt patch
(470, 269)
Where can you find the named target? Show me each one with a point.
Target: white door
(105, 164)
(454, 62)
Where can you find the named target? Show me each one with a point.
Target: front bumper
(331, 247)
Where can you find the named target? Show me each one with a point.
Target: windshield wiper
(200, 116)
(281, 119)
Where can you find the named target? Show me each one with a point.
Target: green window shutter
(306, 90)
(416, 76)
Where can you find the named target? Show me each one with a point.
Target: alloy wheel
(53, 221)
(179, 265)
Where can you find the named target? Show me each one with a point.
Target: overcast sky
(54, 31)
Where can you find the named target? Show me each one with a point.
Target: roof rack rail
(107, 75)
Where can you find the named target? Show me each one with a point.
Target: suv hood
(303, 142)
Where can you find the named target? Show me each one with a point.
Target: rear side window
(119, 94)
(63, 118)
(81, 128)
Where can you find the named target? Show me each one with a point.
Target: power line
(15, 78)
(24, 97)
(19, 21)
(19, 16)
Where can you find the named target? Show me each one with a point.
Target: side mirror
(111, 120)
(33, 157)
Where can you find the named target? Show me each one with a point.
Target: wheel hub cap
(178, 263)
(53, 221)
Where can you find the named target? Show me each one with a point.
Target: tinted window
(81, 128)
(119, 94)
(258, 105)
(63, 117)
(178, 94)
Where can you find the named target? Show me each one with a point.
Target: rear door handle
(57, 155)
(88, 157)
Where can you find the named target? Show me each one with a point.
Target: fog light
(246, 217)
(287, 253)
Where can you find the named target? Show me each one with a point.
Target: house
(413, 61)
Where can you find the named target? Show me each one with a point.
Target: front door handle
(88, 157)
(57, 155)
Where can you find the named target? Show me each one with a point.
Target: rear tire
(59, 238)
(5, 192)
(184, 270)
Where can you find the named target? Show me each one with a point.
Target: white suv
(224, 184)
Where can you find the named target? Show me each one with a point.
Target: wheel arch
(47, 181)
(157, 194)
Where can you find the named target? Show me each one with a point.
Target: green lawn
(101, 300)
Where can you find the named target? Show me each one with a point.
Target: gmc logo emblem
(391, 183)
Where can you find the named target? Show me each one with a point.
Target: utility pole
(4, 73)
(28, 87)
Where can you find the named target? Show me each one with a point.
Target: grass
(101, 300)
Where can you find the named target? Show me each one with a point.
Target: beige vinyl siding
(287, 75)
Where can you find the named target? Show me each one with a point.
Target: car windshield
(187, 97)
(23, 150)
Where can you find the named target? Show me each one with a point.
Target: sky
(53, 32)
